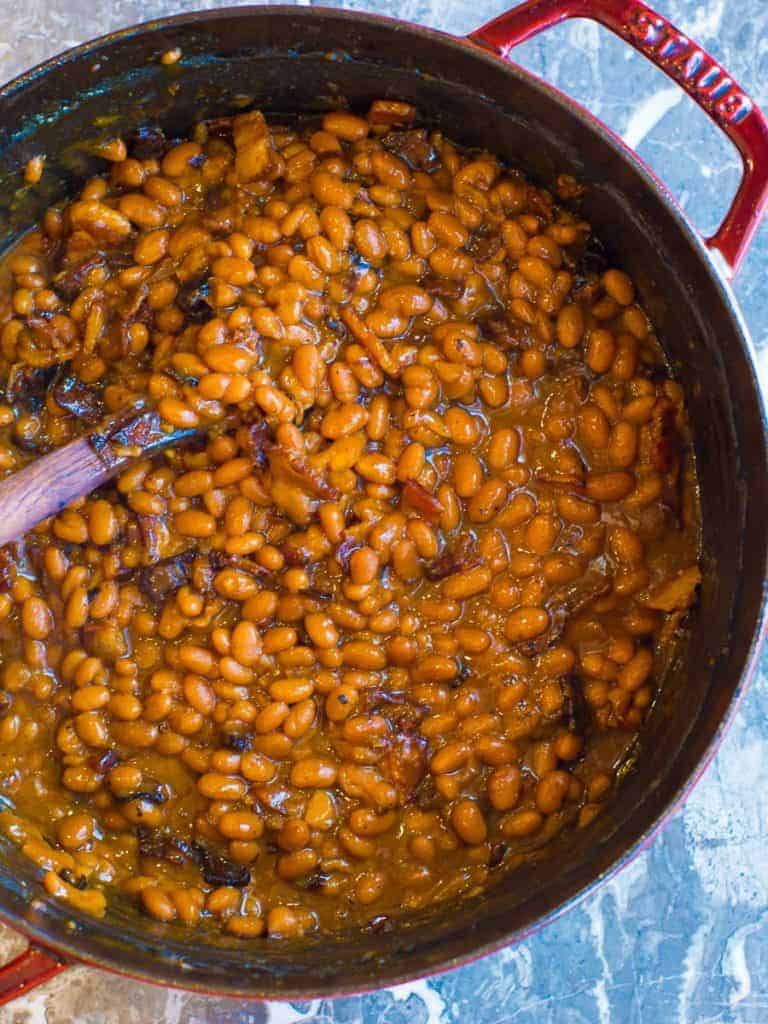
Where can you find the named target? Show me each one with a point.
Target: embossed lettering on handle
(682, 59)
(702, 77)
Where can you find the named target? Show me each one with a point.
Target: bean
(467, 475)
(216, 786)
(36, 618)
(570, 325)
(522, 824)
(469, 823)
(346, 126)
(619, 287)
(526, 623)
(313, 772)
(487, 501)
(637, 670)
(504, 787)
(612, 486)
(551, 791)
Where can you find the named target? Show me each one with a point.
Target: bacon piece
(666, 444)
(159, 581)
(414, 147)
(442, 287)
(459, 558)
(344, 550)
(406, 764)
(82, 400)
(293, 465)
(253, 146)
(69, 281)
(676, 593)
(419, 498)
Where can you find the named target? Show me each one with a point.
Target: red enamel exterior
(732, 111)
(705, 81)
(29, 969)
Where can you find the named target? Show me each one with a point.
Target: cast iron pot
(297, 59)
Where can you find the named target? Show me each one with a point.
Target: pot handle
(700, 75)
(28, 970)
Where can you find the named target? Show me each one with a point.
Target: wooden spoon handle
(48, 484)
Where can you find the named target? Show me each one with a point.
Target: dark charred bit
(589, 268)
(219, 127)
(157, 582)
(147, 143)
(462, 555)
(414, 147)
(219, 870)
(217, 198)
(380, 925)
(105, 762)
(314, 881)
(5, 702)
(344, 551)
(497, 855)
(193, 301)
(157, 795)
(422, 500)
(237, 741)
(78, 881)
(81, 400)
(28, 386)
(576, 713)
(464, 672)
(8, 570)
(69, 281)
(159, 845)
(442, 288)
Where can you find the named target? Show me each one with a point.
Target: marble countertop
(681, 936)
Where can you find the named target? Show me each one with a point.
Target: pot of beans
(441, 589)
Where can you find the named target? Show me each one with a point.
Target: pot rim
(168, 972)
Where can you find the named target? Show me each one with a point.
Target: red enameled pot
(303, 59)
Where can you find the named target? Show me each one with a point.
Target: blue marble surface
(682, 934)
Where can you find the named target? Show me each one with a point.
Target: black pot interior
(286, 60)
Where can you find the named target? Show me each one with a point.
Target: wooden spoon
(48, 484)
